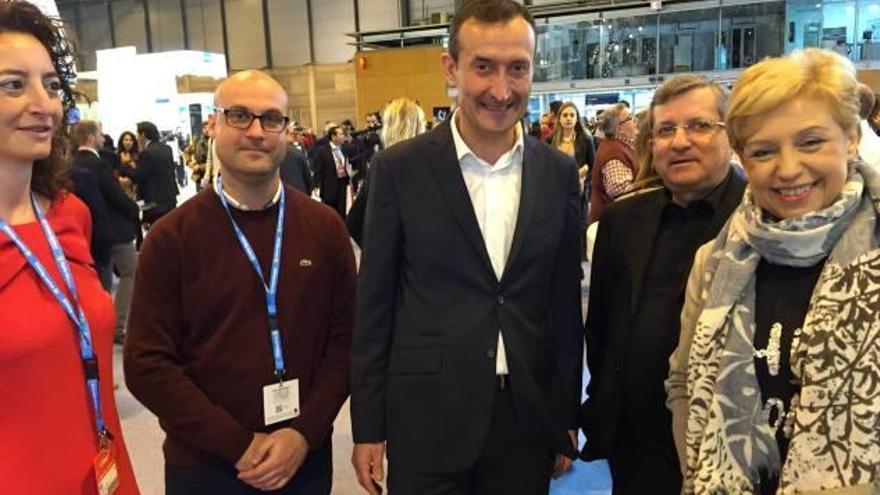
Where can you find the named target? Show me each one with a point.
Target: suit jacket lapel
(527, 197)
(447, 173)
(644, 228)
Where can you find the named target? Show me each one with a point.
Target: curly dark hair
(16, 16)
(135, 149)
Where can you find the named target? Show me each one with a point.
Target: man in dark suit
(123, 218)
(295, 170)
(87, 188)
(644, 250)
(467, 351)
(154, 174)
(332, 171)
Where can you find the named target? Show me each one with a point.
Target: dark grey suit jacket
(430, 307)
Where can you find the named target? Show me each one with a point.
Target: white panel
(244, 28)
(376, 15)
(289, 26)
(204, 24)
(166, 25)
(331, 19)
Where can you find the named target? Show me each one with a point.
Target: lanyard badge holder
(281, 401)
(106, 473)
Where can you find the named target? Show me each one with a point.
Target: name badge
(280, 401)
(106, 473)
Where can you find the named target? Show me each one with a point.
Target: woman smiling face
(30, 98)
(796, 158)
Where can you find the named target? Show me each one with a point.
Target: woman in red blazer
(59, 430)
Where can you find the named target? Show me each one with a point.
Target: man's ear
(449, 65)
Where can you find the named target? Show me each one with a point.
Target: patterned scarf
(729, 441)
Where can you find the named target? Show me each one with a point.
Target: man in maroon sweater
(242, 315)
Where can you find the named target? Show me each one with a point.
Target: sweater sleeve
(153, 363)
(677, 398)
(330, 388)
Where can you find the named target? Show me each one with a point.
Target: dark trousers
(510, 464)
(641, 464)
(315, 477)
(341, 195)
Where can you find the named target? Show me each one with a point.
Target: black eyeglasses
(242, 119)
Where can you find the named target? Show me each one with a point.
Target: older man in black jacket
(644, 250)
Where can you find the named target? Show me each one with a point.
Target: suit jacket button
(500, 300)
(490, 353)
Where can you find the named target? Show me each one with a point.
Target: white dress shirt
(494, 189)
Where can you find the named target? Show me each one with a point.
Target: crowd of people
(731, 332)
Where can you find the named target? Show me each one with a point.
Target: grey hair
(611, 118)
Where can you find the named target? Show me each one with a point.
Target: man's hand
(563, 463)
(277, 458)
(368, 460)
(248, 459)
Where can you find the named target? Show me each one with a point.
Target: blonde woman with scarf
(775, 385)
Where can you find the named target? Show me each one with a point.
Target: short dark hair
(49, 176)
(149, 130)
(488, 11)
(555, 106)
(332, 130)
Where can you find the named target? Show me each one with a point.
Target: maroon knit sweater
(198, 352)
(609, 149)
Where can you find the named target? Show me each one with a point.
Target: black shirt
(782, 296)
(655, 330)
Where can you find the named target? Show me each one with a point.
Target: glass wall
(750, 33)
(851, 27)
(691, 37)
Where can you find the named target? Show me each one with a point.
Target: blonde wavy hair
(813, 73)
(402, 119)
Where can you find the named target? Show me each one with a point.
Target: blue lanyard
(73, 309)
(272, 287)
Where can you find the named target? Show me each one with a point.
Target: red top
(47, 427)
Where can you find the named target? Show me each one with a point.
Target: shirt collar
(240, 206)
(629, 142)
(90, 150)
(462, 149)
(713, 199)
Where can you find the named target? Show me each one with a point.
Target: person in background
(60, 430)
(874, 117)
(616, 162)
(246, 382)
(123, 216)
(403, 119)
(570, 137)
(332, 171)
(128, 149)
(197, 156)
(154, 174)
(869, 142)
(85, 175)
(773, 386)
(643, 250)
(294, 169)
